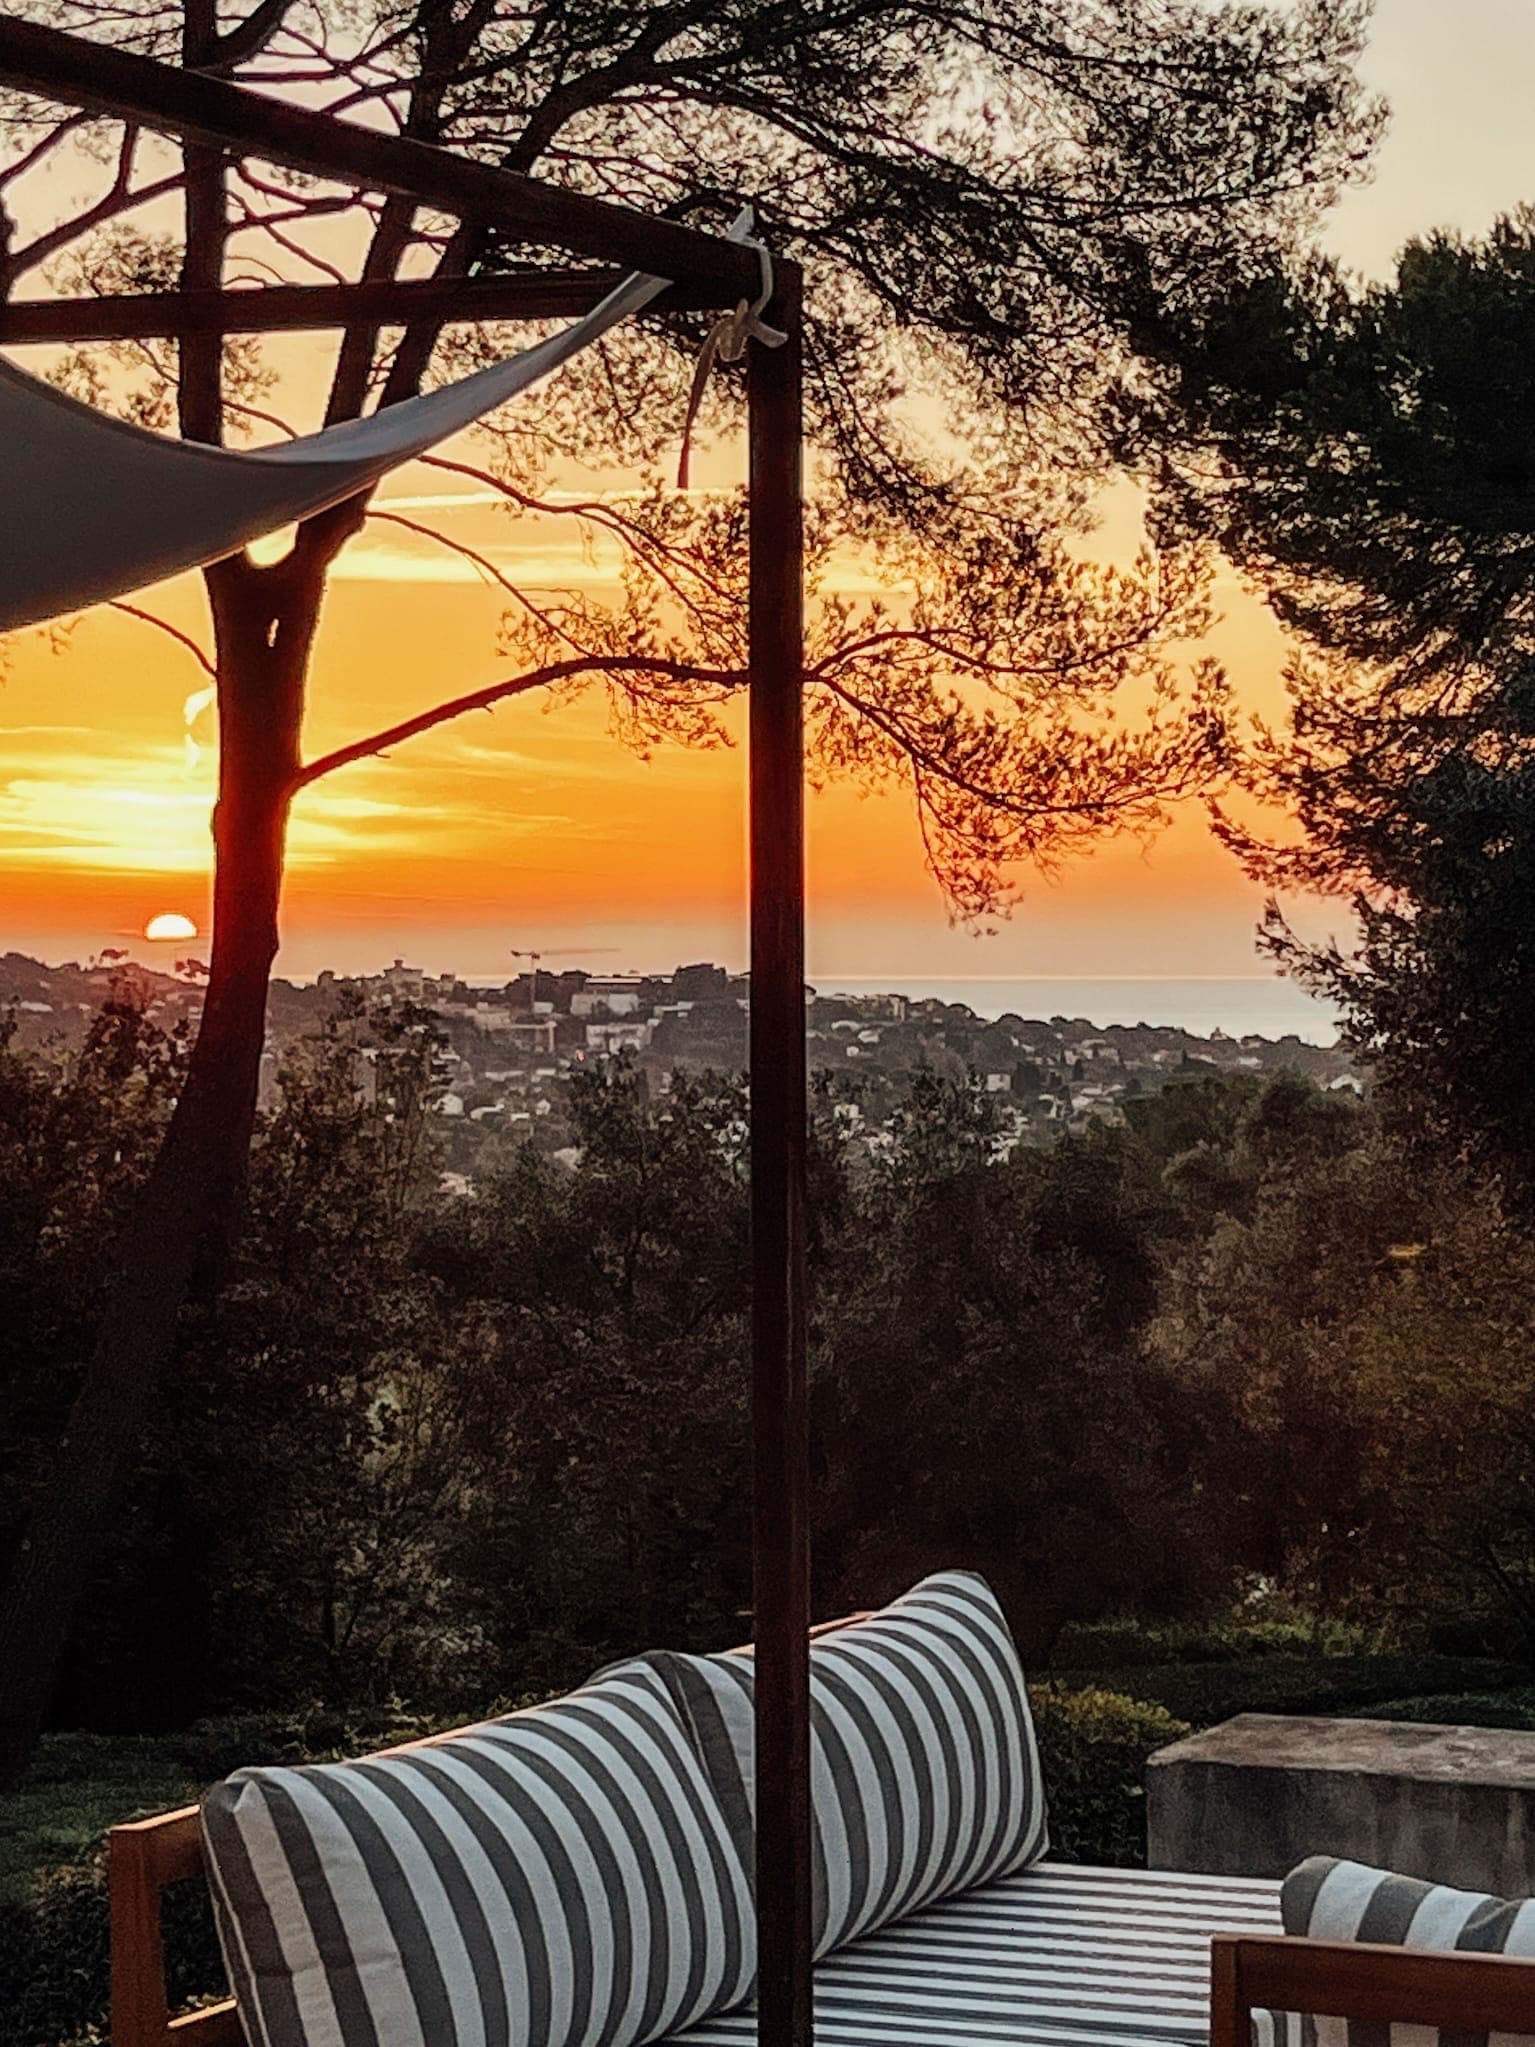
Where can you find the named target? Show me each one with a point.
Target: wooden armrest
(1358, 1980)
(143, 1856)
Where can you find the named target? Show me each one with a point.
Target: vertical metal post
(780, 1421)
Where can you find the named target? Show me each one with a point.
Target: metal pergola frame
(708, 273)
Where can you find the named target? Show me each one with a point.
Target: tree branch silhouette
(499, 692)
(174, 632)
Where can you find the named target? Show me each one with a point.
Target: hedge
(1204, 1693)
(1093, 1746)
(1512, 1708)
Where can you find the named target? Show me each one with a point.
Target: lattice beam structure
(230, 117)
(299, 308)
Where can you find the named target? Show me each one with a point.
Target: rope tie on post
(726, 340)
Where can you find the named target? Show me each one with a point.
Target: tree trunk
(264, 622)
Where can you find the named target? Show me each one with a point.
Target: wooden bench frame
(1358, 1980)
(144, 1857)
(1346, 1979)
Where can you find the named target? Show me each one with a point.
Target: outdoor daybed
(579, 1873)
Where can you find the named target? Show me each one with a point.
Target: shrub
(1203, 1693)
(54, 1957)
(210, 1749)
(1093, 1746)
(53, 1960)
(1513, 1708)
(1277, 1630)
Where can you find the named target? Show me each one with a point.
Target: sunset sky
(536, 829)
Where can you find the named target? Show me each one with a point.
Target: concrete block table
(1259, 1793)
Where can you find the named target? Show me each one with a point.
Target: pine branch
(182, 639)
(498, 692)
(249, 37)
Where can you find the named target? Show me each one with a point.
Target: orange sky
(534, 828)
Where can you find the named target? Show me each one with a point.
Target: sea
(1258, 1005)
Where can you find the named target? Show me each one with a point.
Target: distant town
(507, 1050)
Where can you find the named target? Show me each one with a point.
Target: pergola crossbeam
(230, 117)
(299, 308)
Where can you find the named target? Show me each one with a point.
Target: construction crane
(519, 952)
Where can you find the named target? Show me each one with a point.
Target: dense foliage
(452, 1446)
(1367, 454)
(75, 1141)
(1093, 1747)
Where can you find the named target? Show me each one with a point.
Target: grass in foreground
(78, 1787)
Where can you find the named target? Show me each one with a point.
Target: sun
(170, 924)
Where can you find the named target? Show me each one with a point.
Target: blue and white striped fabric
(1328, 1899)
(561, 1878)
(925, 1776)
(1052, 1957)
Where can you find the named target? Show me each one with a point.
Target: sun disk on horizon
(170, 924)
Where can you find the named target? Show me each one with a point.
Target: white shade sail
(91, 507)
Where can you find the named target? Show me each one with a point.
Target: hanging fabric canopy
(91, 507)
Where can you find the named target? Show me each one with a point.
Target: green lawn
(79, 1786)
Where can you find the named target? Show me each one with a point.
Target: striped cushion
(557, 1877)
(1325, 1899)
(1052, 1957)
(925, 1775)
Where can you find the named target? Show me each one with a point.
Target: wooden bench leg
(139, 2014)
